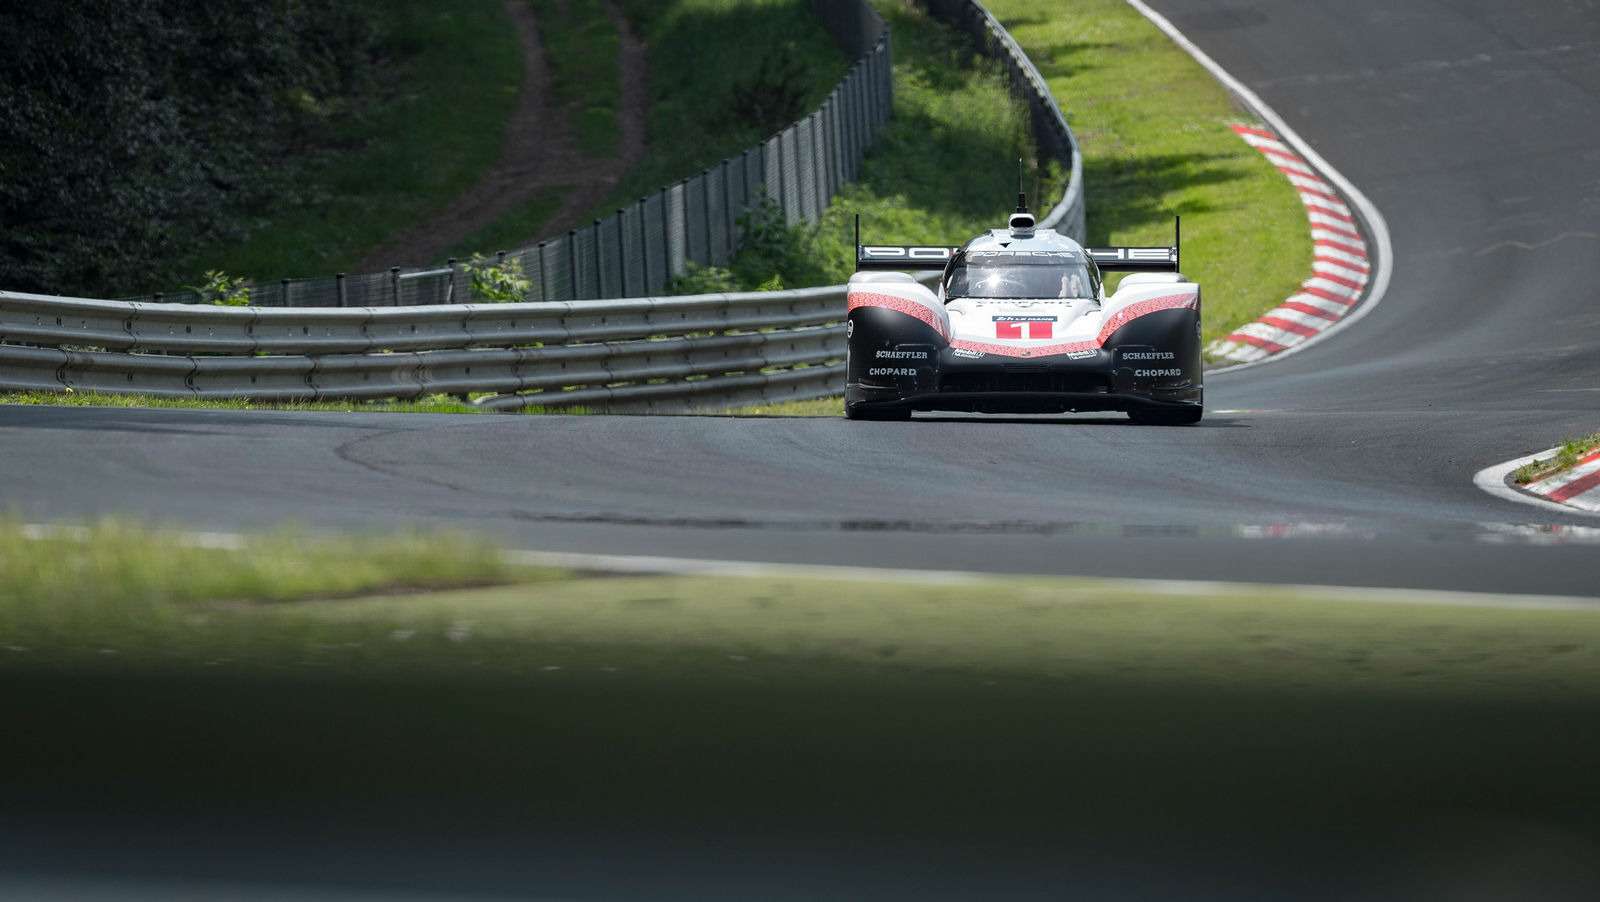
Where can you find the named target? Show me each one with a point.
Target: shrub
(502, 282)
(223, 290)
(698, 279)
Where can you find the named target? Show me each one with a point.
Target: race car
(1019, 322)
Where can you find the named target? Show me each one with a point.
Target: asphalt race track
(1474, 127)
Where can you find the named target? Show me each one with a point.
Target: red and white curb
(1340, 266)
(1575, 490)
(1317, 177)
(1578, 487)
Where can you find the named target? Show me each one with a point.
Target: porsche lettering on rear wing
(902, 257)
(1134, 259)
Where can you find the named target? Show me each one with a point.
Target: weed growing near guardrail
(1565, 457)
(500, 281)
(223, 290)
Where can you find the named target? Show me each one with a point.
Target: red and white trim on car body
(1576, 487)
(1103, 326)
(1077, 325)
(1340, 266)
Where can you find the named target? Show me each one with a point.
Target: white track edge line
(1369, 212)
(1176, 587)
(1492, 479)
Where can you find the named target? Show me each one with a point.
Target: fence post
(666, 233)
(705, 203)
(644, 249)
(572, 262)
(599, 274)
(744, 175)
(544, 274)
(283, 287)
(818, 189)
(338, 287)
(727, 216)
(622, 254)
(450, 286)
(394, 286)
(783, 193)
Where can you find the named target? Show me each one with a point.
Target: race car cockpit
(1039, 274)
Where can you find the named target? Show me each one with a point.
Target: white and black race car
(1019, 322)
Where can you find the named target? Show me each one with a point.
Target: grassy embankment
(580, 51)
(1566, 457)
(451, 73)
(1015, 714)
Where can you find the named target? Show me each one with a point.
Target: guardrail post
(394, 286)
(339, 289)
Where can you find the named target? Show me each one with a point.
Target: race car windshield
(1020, 278)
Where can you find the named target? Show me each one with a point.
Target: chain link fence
(638, 250)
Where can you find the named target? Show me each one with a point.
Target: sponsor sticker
(1080, 355)
(1156, 374)
(967, 353)
(900, 355)
(892, 371)
(1149, 355)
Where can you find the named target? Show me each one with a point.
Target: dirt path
(540, 153)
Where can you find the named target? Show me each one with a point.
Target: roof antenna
(1021, 221)
(1022, 196)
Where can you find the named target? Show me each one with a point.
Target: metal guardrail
(643, 353)
(635, 354)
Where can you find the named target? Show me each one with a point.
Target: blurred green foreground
(528, 727)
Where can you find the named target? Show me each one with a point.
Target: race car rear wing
(903, 257)
(1140, 259)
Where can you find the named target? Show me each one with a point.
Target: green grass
(513, 230)
(817, 407)
(86, 583)
(1153, 126)
(430, 404)
(701, 52)
(581, 48)
(953, 113)
(1024, 715)
(1565, 458)
(450, 81)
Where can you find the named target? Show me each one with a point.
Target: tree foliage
(131, 129)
